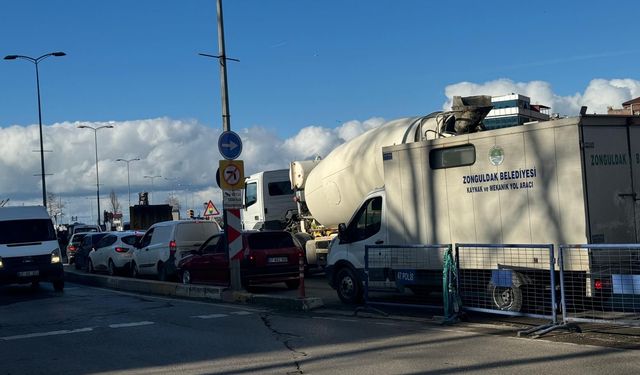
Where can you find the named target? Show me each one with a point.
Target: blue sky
(312, 74)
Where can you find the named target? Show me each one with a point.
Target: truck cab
(267, 198)
(345, 262)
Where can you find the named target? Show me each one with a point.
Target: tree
(173, 201)
(55, 206)
(115, 204)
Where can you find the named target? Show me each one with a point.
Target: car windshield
(22, 231)
(268, 240)
(86, 229)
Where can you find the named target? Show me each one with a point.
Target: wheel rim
(346, 286)
(503, 297)
(186, 277)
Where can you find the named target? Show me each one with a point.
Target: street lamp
(152, 178)
(95, 137)
(35, 61)
(128, 184)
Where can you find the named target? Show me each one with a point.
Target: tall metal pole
(44, 185)
(95, 137)
(128, 179)
(226, 120)
(35, 61)
(234, 264)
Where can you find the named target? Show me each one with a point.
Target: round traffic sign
(229, 145)
(231, 174)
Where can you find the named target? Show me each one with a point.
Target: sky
(311, 75)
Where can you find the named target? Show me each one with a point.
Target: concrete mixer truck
(443, 179)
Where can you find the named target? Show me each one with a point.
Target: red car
(268, 257)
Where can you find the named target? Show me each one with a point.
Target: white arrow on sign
(231, 145)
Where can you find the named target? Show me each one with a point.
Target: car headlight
(55, 256)
(1, 264)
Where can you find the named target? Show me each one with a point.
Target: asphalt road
(88, 330)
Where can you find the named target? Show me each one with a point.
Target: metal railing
(407, 275)
(507, 279)
(600, 283)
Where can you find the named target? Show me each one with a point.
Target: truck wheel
(348, 286)
(506, 298)
(58, 285)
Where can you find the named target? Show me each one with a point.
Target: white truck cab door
(365, 228)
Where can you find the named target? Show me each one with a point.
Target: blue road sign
(229, 145)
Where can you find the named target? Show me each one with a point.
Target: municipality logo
(496, 155)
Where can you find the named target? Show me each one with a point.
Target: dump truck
(442, 179)
(143, 216)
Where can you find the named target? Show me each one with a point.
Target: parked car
(74, 244)
(88, 243)
(114, 252)
(267, 257)
(164, 244)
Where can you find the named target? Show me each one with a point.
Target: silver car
(113, 253)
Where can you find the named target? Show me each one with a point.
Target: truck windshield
(22, 231)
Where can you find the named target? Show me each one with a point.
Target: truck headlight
(55, 256)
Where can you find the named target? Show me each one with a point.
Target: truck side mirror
(342, 232)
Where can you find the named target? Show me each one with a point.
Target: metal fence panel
(408, 275)
(507, 279)
(600, 283)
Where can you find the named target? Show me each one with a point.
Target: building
(514, 109)
(629, 108)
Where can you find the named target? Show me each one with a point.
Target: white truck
(434, 180)
(272, 201)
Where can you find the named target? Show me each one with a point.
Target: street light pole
(95, 137)
(128, 181)
(35, 61)
(152, 178)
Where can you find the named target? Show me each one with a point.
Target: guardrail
(600, 283)
(407, 275)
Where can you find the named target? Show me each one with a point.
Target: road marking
(241, 312)
(42, 334)
(134, 324)
(211, 316)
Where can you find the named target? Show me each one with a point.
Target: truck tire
(506, 298)
(348, 286)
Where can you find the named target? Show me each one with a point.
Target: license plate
(277, 260)
(28, 273)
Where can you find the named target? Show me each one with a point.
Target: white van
(29, 250)
(164, 244)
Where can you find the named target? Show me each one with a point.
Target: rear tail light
(71, 248)
(172, 248)
(598, 284)
(121, 249)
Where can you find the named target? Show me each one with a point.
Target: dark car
(72, 247)
(267, 257)
(88, 243)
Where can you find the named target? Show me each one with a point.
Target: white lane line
(211, 316)
(336, 319)
(134, 324)
(241, 313)
(42, 334)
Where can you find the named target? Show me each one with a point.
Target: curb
(197, 292)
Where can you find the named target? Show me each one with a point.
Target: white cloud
(598, 95)
(185, 152)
